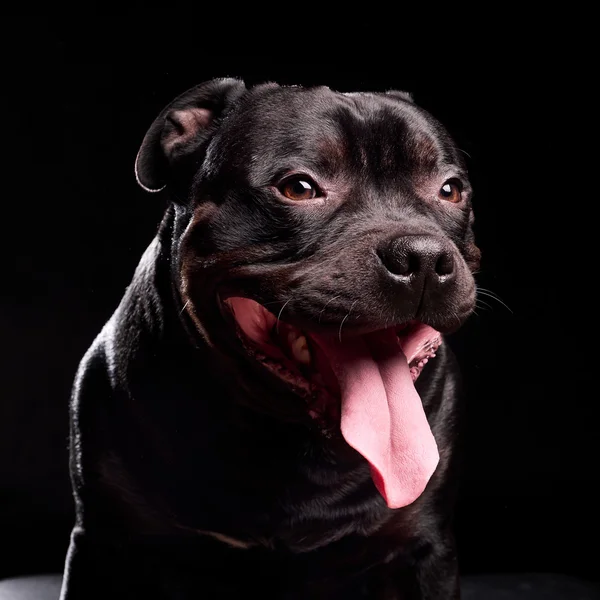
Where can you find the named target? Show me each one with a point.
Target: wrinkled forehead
(277, 130)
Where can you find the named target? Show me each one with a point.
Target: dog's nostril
(400, 264)
(444, 264)
(398, 261)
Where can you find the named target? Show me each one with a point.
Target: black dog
(246, 424)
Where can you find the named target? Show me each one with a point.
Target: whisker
(279, 315)
(481, 303)
(491, 294)
(184, 307)
(326, 303)
(342, 323)
(456, 316)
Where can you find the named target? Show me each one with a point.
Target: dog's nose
(418, 259)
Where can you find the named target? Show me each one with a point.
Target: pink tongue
(382, 414)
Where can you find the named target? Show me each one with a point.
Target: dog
(272, 411)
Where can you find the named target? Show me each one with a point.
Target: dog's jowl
(271, 411)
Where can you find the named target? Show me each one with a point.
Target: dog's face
(310, 214)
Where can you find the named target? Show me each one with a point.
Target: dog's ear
(181, 129)
(399, 95)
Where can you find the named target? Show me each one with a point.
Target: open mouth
(363, 383)
(296, 357)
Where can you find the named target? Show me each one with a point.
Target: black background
(75, 225)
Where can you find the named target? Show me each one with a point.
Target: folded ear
(400, 95)
(181, 129)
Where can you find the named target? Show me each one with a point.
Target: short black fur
(196, 472)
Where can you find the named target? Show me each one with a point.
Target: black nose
(418, 259)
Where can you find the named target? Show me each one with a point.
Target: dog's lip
(320, 393)
(262, 332)
(351, 329)
(356, 328)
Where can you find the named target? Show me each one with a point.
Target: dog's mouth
(361, 383)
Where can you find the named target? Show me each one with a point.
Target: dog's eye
(451, 191)
(299, 188)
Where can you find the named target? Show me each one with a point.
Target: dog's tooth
(300, 350)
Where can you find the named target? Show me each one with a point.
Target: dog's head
(318, 231)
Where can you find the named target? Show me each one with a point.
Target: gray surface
(527, 587)
(40, 587)
(488, 587)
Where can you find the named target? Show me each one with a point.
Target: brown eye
(451, 191)
(299, 188)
